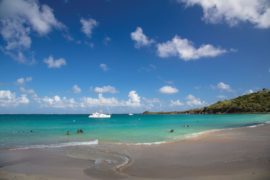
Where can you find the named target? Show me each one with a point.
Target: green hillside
(258, 102)
(250, 103)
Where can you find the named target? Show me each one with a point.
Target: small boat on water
(99, 115)
(130, 114)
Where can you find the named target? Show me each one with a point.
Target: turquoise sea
(50, 130)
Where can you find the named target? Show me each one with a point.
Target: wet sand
(242, 153)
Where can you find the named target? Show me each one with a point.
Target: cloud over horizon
(9, 98)
(176, 103)
(76, 89)
(23, 80)
(194, 101)
(105, 89)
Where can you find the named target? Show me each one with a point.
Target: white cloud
(193, 101)
(168, 90)
(88, 25)
(140, 38)
(76, 89)
(54, 63)
(15, 34)
(9, 99)
(176, 103)
(249, 91)
(104, 67)
(30, 92)
(151, 102)
(23, 99)
(39, 17)
(27, 91)
(256, 12)
(184, 49)
(58, 102)
(134, 99)
(18, 18)
(105, 89)
(22, 80)
(224, 87)
(100, 101)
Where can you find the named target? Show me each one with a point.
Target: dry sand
(242, 153)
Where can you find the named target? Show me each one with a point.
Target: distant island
(257, 102)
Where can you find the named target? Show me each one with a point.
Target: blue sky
(130, 56)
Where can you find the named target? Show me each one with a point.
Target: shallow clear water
(15, 130)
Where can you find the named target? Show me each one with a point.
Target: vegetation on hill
(257, 102)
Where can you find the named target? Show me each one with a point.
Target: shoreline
(96, 141)
(238, 153)
(141, 113)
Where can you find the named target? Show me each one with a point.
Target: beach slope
(242, 153)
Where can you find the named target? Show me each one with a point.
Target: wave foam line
(197, 134)
(194, 135)
(152, 143)
(69, 144)
(145, 143)
(259, 124)
(256, 125)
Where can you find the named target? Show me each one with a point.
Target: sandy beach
(134, 90)
(241, 153)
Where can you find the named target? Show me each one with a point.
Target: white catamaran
(99, 115)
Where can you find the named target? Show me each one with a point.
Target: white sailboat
(130, 114)
(99, 115)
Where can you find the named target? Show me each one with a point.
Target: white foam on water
(151, 143)
(194, 135)
(68, 144)
(145, 143)
(257, 125)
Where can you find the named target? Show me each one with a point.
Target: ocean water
(22, 131)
